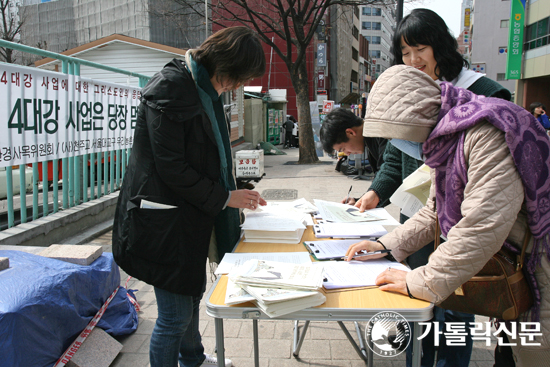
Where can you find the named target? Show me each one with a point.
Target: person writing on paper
(181, 158)
(490, 168)
(423, 40)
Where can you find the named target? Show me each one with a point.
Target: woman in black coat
(178, 196)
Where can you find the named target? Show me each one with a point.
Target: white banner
(47, 115)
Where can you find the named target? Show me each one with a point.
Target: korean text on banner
(515, 39)
(47, 115)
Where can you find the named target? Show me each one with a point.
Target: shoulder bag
(500, 290)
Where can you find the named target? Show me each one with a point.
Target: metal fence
(83, 178)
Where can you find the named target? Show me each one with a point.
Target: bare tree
(293, 21)
(12, 21)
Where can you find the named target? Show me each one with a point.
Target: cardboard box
(249, 163)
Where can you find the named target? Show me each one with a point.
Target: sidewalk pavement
(325, 343)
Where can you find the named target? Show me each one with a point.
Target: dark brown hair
(233, 53)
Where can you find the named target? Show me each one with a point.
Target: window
(376, 12)
(355, 32)
(376, 26)
(504, 23)
(537, 34)
(366, 10)
(354, 76)
(374, 40)
(374, 53)
(365, 25)
(378, 67)
(354, 54)
(501, 77)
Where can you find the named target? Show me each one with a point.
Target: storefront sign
(515, 39)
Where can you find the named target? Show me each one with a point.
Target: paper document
(262, 273)
(413, 193)
(235, 259)
(266, 221)
(235, 294)
(146, 204)
(343, 213)
(300, 209)
(386, 218)
(342, 274)
(331, 249)
(348, 230)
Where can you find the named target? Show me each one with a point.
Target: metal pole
(399, 11)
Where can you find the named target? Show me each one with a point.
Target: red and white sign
(328, 106)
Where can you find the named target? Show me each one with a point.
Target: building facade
(534, 85)
(344, 55)
(65, 24)
(378, 26)
(489, 37)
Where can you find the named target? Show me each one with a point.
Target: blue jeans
(176, 335)
(445, 355)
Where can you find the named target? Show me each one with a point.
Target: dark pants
(289, 142)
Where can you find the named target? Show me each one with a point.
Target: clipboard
(312, 251)
(319, 247)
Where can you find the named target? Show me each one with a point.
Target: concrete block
(76, 254)
(4, 263)
(98, 350)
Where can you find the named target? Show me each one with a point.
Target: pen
(369, 254)
(347, 197)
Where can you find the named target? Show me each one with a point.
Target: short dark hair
(425, 27)
(333, 129)
(234, 53)
(534, 105)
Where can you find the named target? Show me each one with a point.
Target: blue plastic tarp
(46, 303)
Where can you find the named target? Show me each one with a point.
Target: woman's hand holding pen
(364, 246)
(246, 199)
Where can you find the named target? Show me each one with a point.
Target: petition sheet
(343, 213)
(235, 259)
(343, 274)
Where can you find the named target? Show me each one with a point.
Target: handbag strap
(521, 256)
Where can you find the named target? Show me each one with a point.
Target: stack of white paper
(261, 273)
(273, 228)
(276, 288)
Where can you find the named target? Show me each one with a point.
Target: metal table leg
(256, 343)
(360, 337)
(353, 343)
(298, 339)
(417, 344)
(220, 348)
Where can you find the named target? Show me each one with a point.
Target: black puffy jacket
(174, 161)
